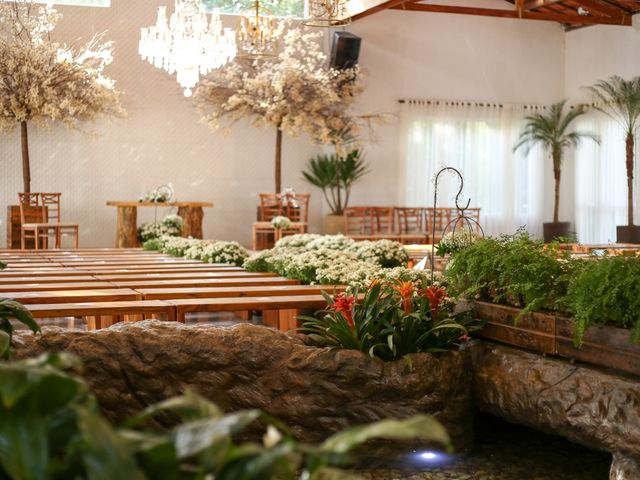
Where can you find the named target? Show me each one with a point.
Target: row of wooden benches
(106, 286)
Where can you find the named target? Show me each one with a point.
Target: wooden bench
(73, 296)
(238, 291)
(182, 276)
(199, 283)
(103, 314)
(10, 288)
(46, 279)
(278, 311)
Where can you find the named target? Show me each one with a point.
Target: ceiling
(570, 13)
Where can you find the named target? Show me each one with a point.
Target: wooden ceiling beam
(491, 12)
(378, 8)
(604, 8)
(533, 4)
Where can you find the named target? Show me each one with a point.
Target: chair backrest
(52, 203)
(270, 206)
(358, 221)
(382, 219)
(296, 206)
(440, 219)
(410, 220)
(30, 200)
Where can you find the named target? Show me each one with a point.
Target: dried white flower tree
(43, 81)
(294, 93)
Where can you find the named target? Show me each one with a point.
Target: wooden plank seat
(278, 311)
(73, 296)
(102, 314)
(134, 271)
(203, 283)
(46, 279)
(44, 287)
(237, 291)
(179, 276)
(37, 272)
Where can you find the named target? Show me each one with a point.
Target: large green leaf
(24, 448)
(106, 454)
(256, 463)
(5, 343)
(423, 427)
(189, 406)
(12, 309)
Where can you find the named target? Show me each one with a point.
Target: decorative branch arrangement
(296, 93)
(43, 81)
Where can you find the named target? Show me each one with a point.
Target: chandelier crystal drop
(259, 34)
(188, 43)
(327, 13)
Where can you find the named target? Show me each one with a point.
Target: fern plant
(552, 130)
(606, 291)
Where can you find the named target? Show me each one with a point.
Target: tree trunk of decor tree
(556, 203)
(278, 160)
(630, 140)
(26, 170)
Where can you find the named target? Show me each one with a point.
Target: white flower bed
(210, 251)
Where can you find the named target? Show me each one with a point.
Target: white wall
(404, 54)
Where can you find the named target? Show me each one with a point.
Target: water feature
(502, 452)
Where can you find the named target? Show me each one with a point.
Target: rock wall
(315, 391)
(588, 406)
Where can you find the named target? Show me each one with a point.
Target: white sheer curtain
(601, 180)
(478, 140)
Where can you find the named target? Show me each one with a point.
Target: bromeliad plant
(391, 320)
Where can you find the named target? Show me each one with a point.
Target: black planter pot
(553, 230)
(628, 234)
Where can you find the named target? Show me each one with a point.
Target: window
(478, 141)
(280, 8)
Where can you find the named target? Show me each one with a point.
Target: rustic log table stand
(127, 234)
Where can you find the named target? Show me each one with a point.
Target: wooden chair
(293, 206)
(52, 203)
(38, 231)
(382, 220)
(411, 225)
(358, 222)
(438, 219)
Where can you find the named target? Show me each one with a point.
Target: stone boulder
(595, 408)
(316, 391)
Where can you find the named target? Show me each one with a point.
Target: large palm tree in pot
(552, 130)
(620, 99)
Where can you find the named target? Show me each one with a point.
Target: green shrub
(393, 319)
(607, 290)
(50, 428)
(152, 245)
(513, 270)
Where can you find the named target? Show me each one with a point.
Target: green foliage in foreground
(11, 309)
(50, 428)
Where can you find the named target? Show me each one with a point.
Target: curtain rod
(467, 103)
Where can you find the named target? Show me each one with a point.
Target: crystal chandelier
(258, 35)
(327, 13)
(188, 43)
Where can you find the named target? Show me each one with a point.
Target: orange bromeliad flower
(343, 303)
(405, 289)
(436, 295)
(374, 282)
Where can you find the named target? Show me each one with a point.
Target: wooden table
(127, 230)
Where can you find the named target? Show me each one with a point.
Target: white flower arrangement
(457, 240)
(210, 251)
(171, 226)
(330, 259)
(156, 196)
(280, 222)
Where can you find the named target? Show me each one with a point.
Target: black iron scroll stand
(468, 223)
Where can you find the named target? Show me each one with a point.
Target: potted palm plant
(335, 174)
(552, 130)
(620, 100)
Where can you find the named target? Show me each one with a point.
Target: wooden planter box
(604, 346)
